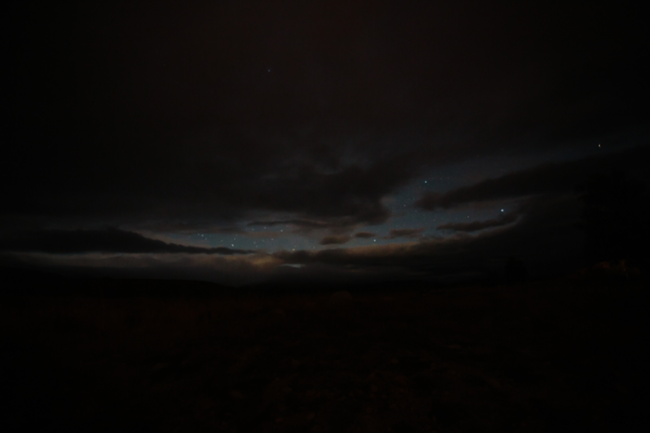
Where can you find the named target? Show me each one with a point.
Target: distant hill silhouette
(515, 271)
(616, 211)
(26, 282)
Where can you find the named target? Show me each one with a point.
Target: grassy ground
(540, 357)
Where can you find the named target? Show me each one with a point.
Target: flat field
(537, 357)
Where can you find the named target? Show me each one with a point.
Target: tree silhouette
(615, 218)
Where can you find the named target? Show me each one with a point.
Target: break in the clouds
(331, 124)
(549, 223)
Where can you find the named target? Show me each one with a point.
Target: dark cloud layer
(316, 109)
(335, 240)
(101, 241)
(310, 225)
(543, 179)
(475, 226)
(404, 233)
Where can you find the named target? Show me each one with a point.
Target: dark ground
(561, 355)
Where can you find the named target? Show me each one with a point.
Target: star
(501, 210)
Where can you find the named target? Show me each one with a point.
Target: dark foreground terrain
(565, 355)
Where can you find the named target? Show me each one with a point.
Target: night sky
(246, 141)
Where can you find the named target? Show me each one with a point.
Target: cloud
(550, 178)
(333, 225)
(294, 222)
(364, 235)
(480, 225)
(110, 240)
(404, 233)
(224, 269)
(335, 240)
(320, 137)
(188, 226)
(225, 230)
